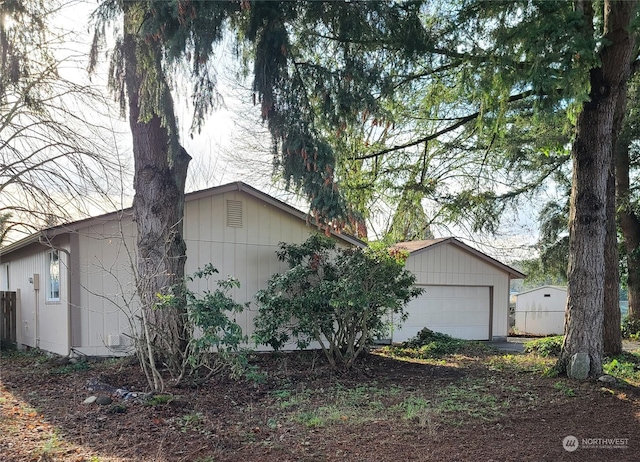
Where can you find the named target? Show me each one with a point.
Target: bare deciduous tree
(57, 156)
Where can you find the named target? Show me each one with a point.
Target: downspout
(68, 266)
(36, 289)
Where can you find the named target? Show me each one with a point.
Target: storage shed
(540, 311)
(466, 292)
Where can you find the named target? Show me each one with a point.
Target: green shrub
(337, 297)
(631, 328)
(426, 336)
(547, 346)
(429, 344)
(434, 343)
(625, 366)
(216, 340)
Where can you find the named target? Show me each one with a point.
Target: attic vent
(547, 295)
(234, 214)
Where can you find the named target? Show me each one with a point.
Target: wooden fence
(8, 309)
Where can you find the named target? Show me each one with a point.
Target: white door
(460, 311)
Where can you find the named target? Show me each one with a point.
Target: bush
(547, 346)
(215, 339)
(622, 366)
(428, 343)
(631, 328)
(437, 342)
(336, 297)
(625, 366)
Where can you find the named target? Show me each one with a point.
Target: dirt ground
(492, 406)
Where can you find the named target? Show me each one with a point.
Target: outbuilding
(540, 311)
(466, 292)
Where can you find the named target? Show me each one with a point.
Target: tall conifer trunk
(612, 334)
(630, 226)
(592, 158)
(612, 329)
(159, 181)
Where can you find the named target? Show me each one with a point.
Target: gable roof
(543, 288)
(414, 247)
(230, 187)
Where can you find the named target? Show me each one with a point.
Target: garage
(466, 292)
(460, 311)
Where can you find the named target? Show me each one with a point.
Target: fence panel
(8, 311)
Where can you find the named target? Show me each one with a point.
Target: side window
(4, 277)
(53, 276)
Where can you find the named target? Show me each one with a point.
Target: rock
(90, 400)
(607, 379)
(63, 361)
(103, 400)
(73, 360)
(579, 366)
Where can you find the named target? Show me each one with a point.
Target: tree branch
(461, 121)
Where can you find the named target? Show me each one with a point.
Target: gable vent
(234, 214)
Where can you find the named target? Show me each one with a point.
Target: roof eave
(24, 242)
(512, 272)
(235, 186)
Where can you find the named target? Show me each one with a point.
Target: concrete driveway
(516, 344)
(513, 344)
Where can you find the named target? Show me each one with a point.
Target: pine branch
(461, 121)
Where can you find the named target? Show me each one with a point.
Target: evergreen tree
(627, 165)
(327, 75)
(140, 75)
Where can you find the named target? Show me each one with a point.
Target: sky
(234, 145)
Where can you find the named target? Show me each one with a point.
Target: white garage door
(459, 311)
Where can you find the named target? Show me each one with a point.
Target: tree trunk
(612, 333)
(612, 330)
(630, 226)
(159, 181)
(592, 153)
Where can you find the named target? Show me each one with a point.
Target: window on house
(53, 276)
(5, 276)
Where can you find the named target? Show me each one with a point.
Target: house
(75, 281)
(466, 292)
(76, 290)
(540, 311)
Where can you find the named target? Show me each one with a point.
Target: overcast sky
(234, 145)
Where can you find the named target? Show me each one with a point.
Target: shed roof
(414, 247)
(73, 226)
(535, 289)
